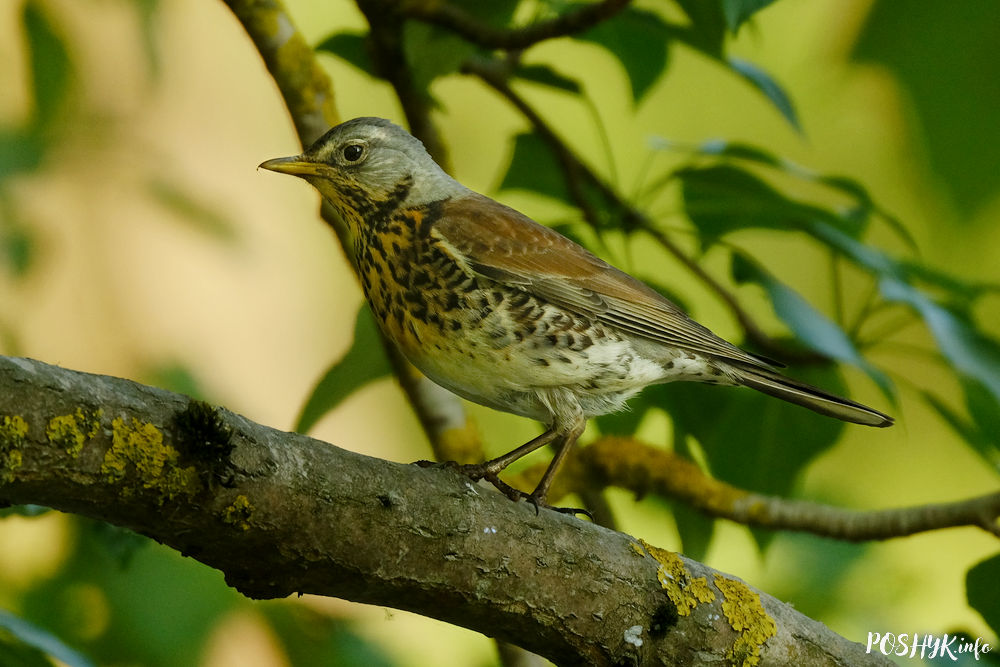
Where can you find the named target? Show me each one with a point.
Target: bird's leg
(490, 470)
(565, 443)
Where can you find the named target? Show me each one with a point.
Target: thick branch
(281, 513)
(633, 465)
(457, 20)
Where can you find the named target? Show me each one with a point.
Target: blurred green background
(140, 241)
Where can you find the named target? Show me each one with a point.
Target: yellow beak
(296, 165)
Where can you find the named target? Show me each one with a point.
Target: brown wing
(499, 243)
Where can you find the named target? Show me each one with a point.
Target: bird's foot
(478, 471)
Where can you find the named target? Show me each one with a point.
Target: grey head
(370, 160)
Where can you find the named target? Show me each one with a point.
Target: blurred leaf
(176, 377)
(817, 564)
(970, 352)
(753, 441)
(18, 249)
(25, 510)
(945, 57)
(708, 26)
(812, 327)
(638, 39)
(312, 638)
(738, 12)
(547, 76)
(763, 82)
(981, 591)
(432, 51)
(148, 21)
(41, 639)
(722, 199)
(863, 202)
(198, 214)
(14, 653)
(50, 64)
(182, 599)
(20, 151)
(864, 255)
(351, 47)
(695, 529)
(980, 431)
(365, 361)
(121, 544)
(535, 169)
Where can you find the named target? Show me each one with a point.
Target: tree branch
(280, 513)
(457, 20)
(630, 464)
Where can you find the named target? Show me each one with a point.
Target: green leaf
(175, 376)
(751, 440)
(25, 510)
(21, 150)
(970, 352)
(695, 529)
(547, 76)
(43, 640)
(638, 39)
(202, 216)
(944, 57)
(864, 255)
(863, 203)
(707, 32)
(981, 590)
(982, 430)
(535, 169)
(763, 82)
(351, 47)
(310, 637)
(722, 199)
(813, 328)
(364, 362)
(50, 64)
(738, 12)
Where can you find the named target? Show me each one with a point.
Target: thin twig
(628, 463)
(386, 22)
(457, 20)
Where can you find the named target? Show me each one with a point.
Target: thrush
(508, 313)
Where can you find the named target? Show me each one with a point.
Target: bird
(508, 313)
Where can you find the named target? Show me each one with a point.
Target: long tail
(810, 397)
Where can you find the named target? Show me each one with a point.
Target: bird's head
(367, 167)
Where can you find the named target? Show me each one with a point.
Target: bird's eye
(353, 152)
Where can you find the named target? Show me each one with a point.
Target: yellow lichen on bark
(72, 431)
(139, 446)
(684, 590)
(13, 431)
(747, 616)
(238, 513)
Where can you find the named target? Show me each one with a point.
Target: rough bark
(281, 513)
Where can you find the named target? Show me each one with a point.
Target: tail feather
(810, 397)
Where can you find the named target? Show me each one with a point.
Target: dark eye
(353, 152)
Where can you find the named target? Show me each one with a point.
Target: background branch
(459, 21)
(281, 513)
(641, 468)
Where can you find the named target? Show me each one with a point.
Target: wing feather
(501, 244)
